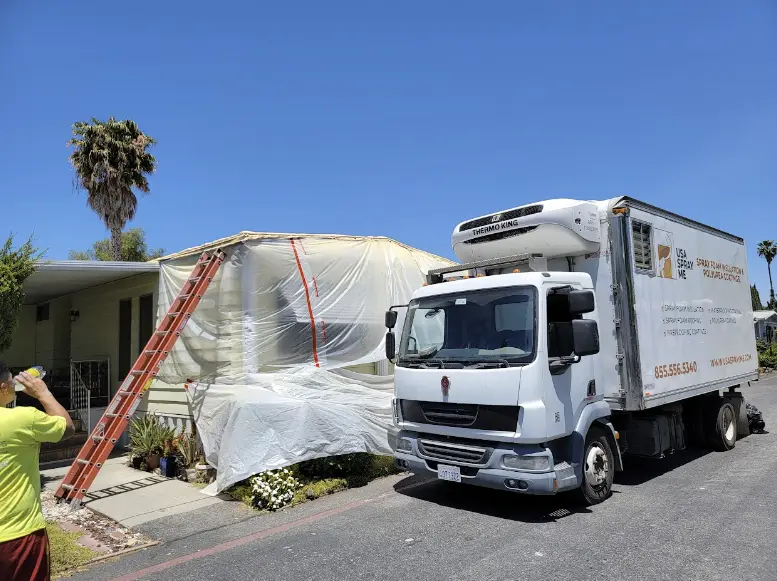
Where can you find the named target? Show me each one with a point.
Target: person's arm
(37, 388)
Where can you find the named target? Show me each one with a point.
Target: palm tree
(768, 250)
(110, 158)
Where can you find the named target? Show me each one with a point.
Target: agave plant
(148, 435)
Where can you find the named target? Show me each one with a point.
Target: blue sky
(399, 119)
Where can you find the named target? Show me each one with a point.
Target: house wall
(95, 335)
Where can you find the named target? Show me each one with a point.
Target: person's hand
(33, 386)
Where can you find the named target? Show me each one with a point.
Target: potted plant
(147, 438)
(167, 463)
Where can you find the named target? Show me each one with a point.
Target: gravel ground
(99, 534)
(694, 516)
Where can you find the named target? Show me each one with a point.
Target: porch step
(66, 450)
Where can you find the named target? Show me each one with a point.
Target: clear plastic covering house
(284, 359)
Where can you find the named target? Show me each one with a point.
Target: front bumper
(490, 472)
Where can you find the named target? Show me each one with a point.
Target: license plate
(449, 473)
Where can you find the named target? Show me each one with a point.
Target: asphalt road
(694, 516)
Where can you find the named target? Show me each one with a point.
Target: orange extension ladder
(127, 399)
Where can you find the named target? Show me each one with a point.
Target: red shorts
(26, 558)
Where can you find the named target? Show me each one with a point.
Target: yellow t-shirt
(22, 430)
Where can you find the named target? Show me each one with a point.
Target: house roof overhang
(56, 278)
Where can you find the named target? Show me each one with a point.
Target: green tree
(755, 296)
(16, 266)
(133, 248)
(110, 159)
(768, 250)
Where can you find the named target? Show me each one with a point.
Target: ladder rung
(195, 279)
(113, 415)
(183, 297)
(162, 332)
(173, 314)
(138, 372)
(84, 462)
(67, 486)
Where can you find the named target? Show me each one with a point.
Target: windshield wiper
(490, 363)
(422, 363)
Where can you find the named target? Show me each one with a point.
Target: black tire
(591, 493)
(721, 426)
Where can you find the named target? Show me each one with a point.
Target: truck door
(568, 387)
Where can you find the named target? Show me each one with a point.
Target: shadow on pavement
(495, 503)
(638, 471)
(109, 491)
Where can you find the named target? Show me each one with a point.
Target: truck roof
(501, 281)
(634, 203)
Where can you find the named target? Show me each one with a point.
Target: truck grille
(453, 452)
(509, 215)
(501, 418)
(449, 415)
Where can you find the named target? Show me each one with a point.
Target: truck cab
(495, 374)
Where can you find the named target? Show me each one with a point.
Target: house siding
(95, 335)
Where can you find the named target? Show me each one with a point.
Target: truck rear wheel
(598, 464)
(721, 426)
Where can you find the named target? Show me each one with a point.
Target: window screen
(643, 254)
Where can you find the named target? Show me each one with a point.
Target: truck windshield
(484, 328)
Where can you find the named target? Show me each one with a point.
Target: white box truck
(574, 333)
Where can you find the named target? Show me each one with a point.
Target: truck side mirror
(585, 337)
(391, 346)
(580, 302)
(391, 319)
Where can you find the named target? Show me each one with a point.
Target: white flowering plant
(273, 489)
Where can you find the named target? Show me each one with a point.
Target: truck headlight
(405, 445)
(526, 462)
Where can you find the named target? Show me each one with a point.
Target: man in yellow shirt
(24, 551)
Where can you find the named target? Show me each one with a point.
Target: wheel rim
(728, 424)
(597, 466)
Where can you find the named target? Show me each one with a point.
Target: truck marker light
(515, 270)
(617, 435)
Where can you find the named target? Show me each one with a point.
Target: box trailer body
(507, 377)
(674, 303)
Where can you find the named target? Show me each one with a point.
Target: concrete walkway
(133, 498)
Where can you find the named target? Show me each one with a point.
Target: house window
(125, 338)
(42, 313)
(642, 242)
(146, 322)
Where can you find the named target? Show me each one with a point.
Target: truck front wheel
(598, 464)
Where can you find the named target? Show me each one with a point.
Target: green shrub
(357, 469)
(314, 479)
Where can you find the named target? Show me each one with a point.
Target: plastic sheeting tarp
(285, 417)
(269, 341)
